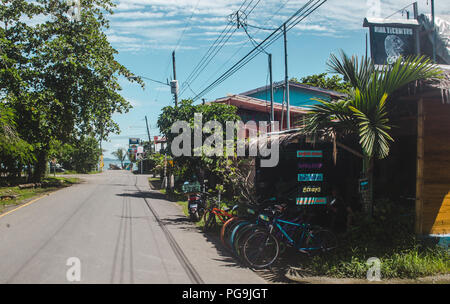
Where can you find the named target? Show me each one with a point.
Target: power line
(253, 54)
(296, 18)
(208, 54)
(217, 48)
(205, 61)
(186, 26)
(238, 50)
(253, 41)
(399, 11)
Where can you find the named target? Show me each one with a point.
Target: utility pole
(288, 114)
(175, 78)
(434, 30)
(272, 115)
(416, 31)
(416, 10)
(148, 132)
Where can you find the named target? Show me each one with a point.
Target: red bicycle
(213, 212)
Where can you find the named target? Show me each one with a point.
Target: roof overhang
(391, 22)
(293, 84)
(258, 105)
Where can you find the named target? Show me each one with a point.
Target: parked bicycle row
(259, 236)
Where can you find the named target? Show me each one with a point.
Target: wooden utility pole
(174, 77)
(148, 132)
(434, 30)
(416, 31)
(288, 114)
(272, 114)
(420, 162)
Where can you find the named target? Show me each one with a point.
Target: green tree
(86, 155)
(335, 82)
(81, 155)
(15, 153)
(224, 173)
(365, 113)
(61, 77)
(120, 154)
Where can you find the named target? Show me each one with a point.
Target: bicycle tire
(239, 226)
(241, 237)
(210, 221)
(328, 240)
(229, 231)
(225, 226)
(254, 247)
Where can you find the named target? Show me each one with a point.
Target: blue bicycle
(262, 247)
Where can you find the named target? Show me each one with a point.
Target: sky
(145, 32)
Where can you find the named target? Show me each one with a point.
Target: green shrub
(389, 236)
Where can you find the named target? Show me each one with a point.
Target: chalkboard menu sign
(311, 178)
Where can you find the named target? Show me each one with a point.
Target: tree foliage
(335, 82)
(365, 111)
(59, 76)
(227, 174)
(120, 154)
(81, 155)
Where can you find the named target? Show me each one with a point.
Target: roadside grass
(407, 263)
(388, 236)
(181, 200)
(49, 184)
(177, 197)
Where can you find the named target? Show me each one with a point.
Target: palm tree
(121, 155)
(364, 112)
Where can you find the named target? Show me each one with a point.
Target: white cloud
(158, 24)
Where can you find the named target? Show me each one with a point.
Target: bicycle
(304, 237)
(213, 212)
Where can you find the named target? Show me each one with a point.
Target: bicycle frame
(221, 214)
(276, 223)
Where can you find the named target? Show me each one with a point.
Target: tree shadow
(144, 194)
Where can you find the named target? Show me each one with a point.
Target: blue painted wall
(298, 97)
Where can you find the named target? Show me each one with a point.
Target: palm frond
(364, 113)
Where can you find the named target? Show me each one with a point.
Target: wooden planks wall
(435, 196)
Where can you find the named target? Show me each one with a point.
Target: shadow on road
(143, 194)
(277, 274)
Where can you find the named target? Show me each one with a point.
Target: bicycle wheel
(237, 228)
(241, 236)
(224, 231)
(229, 231)
(210, 221)
(260, 249)
(320, 241)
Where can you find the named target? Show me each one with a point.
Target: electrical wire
(238, 50)
(209, 52)
(296, 18)
(187, 24)
(253, 41)
(200, 68)
(399, 11)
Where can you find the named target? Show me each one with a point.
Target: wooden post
(419, 175)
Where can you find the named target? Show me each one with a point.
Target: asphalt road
(117, 230)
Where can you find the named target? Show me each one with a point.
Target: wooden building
(433, 158)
